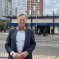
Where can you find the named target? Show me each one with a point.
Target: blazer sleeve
(32, 43)
(8, 43)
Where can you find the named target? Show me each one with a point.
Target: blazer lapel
(15, 38)
(26, 33)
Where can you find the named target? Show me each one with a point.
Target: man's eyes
(22, 20)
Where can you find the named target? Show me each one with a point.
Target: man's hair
(21, 15)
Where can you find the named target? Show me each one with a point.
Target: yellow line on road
(3, 53)
(34, 55)
(46, 56)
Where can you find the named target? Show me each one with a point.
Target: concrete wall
(14, 20)
(51, 27)
(56, 29)
(28, 21)
(56, 20)
(43, 20)
(47, 20)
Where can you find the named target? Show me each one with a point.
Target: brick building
(35, 6)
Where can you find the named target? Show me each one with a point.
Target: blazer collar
(18, 28)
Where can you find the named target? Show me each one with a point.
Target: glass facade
(6, 7)
(12, 7)
(38, 12)
(38, 0)
(19, 6)
(29, 11)
(0, 8)
(36, 7)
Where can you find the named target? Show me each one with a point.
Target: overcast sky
(50, 6)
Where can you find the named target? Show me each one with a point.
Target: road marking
(42, 56)
(46, 56)
(3, 53)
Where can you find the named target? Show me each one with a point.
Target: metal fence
(3, 53)
(46, 51)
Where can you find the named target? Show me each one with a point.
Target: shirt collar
(18, 28)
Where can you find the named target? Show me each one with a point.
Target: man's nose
(22, 20)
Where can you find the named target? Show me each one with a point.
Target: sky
(50, 6)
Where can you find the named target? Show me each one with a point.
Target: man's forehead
(23, 16)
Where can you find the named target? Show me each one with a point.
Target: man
(20, 41)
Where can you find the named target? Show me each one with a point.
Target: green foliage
(4, 23)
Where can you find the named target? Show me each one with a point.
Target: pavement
(48, 36)
(36, 35)
(52, 36)
(39, 57)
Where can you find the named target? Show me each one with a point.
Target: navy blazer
(29, 45)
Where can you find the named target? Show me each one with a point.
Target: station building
(36, 19)
(42, 22)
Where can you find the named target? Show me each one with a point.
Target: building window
(34, 7)
(29, 11)
(38, 0)
(38, 12)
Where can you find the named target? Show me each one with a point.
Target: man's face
(21, 21)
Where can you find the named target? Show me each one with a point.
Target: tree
(3, 23)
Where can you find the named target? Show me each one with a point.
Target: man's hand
(15, 55)
(23, 54)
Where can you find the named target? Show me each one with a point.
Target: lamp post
(53, 22)
(10, 15)
(36, 17)
(5, 26)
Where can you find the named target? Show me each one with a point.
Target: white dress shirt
(20, 39)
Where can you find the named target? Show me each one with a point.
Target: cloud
(50, 6)
(57, 12)
(58, 1)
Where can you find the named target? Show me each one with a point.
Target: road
(48, 46)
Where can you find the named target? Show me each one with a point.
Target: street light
(36, 16)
